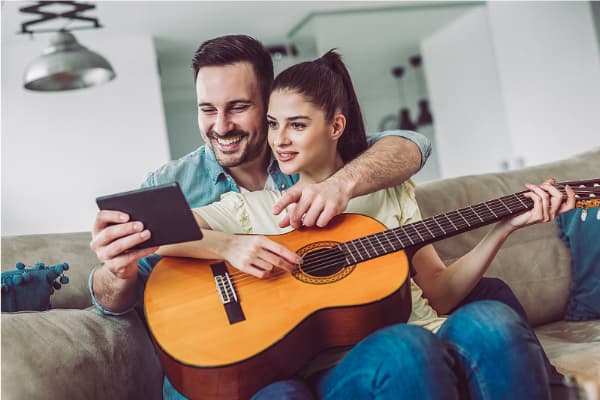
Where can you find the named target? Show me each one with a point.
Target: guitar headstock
(587, 193)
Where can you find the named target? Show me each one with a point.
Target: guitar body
(288, 318)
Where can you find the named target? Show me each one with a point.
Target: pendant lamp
(67, 65)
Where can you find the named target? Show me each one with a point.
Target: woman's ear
(338, 126)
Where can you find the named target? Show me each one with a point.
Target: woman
(483, 350)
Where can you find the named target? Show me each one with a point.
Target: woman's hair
(326, 83)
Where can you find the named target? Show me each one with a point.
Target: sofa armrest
(77, 354)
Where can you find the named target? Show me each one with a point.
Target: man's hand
(113, 236)
(315, 204)
(257, 255)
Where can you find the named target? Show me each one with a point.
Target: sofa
(74, 352)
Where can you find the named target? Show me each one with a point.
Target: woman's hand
(548, 202)
(257, 255)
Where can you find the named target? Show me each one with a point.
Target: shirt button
(282, 186)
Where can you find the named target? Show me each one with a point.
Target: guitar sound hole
(323, 262)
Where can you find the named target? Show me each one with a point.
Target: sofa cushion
(573, 347)
(77, 354)
(29, 289)
(580, 230)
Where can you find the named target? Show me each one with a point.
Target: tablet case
(162, 209)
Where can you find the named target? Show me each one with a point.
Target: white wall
(514, 84)
(466, 98)
(62, 149)
(549, 67)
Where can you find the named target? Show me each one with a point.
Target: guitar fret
(475, 212)
(407, 235)
(521, 201)
(349, 252)
(492, 211)
(378, 241)
(505, 206)
(459, 213)
(415, 229)
(364, 247)
(434, 220)
(428, 230)
(354, 244)
(451, 223)
(390, 242)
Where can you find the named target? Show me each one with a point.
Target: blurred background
(494, 85)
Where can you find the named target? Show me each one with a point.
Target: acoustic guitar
(222, 334)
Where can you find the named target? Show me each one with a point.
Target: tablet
(162, 209)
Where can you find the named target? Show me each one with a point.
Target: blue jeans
(486, 289)
(485, 350)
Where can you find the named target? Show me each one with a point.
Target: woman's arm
(253, 254)
(445, 287)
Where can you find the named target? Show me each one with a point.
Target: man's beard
(247, 152)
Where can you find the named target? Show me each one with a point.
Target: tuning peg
(56, 285)
(64, 280)
(20, 265)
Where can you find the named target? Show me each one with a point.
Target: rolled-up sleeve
(420, 140)
(98, 305)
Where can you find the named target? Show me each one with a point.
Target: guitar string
(496, 205)
(342, 258)
(315, 263)
(420, 227)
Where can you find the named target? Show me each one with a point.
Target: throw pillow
(29, 289)
(580, 230)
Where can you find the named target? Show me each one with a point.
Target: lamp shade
(67, 65)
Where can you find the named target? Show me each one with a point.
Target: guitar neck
(437, 227)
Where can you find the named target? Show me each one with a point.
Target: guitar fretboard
(434, 228)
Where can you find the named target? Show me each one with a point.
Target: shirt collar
(215, 170)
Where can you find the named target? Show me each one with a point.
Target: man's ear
(338, 126)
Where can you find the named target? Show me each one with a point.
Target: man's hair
(231, 49)
(326, 83)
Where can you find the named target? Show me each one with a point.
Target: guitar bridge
(226, 291)
(225, 288)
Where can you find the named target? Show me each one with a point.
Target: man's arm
(389, 161)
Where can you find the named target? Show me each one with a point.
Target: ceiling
(178, 27)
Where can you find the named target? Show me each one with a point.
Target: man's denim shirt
(203, 181)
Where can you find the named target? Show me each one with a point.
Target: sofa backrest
(533, 261)
(55, 248)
